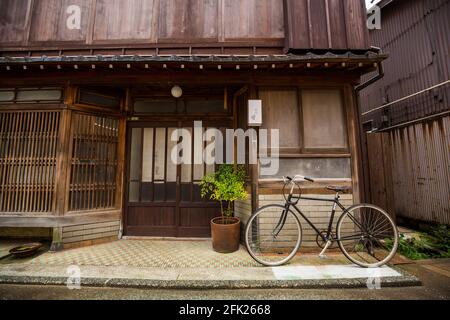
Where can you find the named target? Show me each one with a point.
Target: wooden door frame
(162, 122)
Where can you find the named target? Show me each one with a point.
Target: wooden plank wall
(337, 24)
(43, 22)
(380, 171)
(326, 24)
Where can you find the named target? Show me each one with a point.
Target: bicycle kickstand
(322, 254)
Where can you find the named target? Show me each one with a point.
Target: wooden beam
(196, 76)
(28, 220)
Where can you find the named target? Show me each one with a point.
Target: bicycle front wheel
(273, 235)
(367, 236)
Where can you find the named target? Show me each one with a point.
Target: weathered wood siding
(326, 24)
(319, 24)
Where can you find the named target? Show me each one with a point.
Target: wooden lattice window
(28, 143)
(94, 162)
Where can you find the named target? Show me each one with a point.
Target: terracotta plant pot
(225, 234)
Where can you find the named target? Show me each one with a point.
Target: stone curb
(403, 281)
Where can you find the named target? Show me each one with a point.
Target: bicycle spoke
(372, 249)
(273, 235)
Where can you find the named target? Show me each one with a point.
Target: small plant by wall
(431, 245)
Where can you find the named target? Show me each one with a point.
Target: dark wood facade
(123, 61)
(183, 26)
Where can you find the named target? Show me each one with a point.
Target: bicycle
(365, 233)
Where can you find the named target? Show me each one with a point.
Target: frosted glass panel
(133, 195)
(199, 171)
(186, 169)
(136, 154)
(6, 95)
(39, 95)
(160, 153)
(171, 165)
(147, 156)
(155, 106)
(316, 168)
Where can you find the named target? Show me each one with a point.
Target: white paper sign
(255, 113)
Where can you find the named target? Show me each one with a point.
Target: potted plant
(226, 186)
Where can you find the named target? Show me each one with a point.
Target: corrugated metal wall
(420, 160)
(415, 35)
(416, 169)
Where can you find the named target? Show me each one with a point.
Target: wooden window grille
(28, 143)
(94, 162)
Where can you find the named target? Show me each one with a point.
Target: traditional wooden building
(86, 108)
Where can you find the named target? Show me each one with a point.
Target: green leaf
(226, 185)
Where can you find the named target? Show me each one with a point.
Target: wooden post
(62, 162)
(57, 240)
(254, 168)
(62, 174)
(120, 175)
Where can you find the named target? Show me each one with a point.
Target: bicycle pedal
(323, 256)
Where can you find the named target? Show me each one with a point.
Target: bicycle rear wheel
(367, 236)
(273, 236)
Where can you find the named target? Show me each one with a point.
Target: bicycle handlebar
(300, 177)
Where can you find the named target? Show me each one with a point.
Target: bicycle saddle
(339, 188)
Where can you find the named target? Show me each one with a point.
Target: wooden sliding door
(163, 198)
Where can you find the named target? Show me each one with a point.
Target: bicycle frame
(292, 202)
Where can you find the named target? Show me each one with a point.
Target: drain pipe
(380, 74)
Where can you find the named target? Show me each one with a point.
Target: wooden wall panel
(260, 19)
(325, 24)
(125, 20)
(324, 123)
(337, 24)
(188, 19)
(281, 111)
(13, 15)
(306, 24)
(49, 20)
(299, 10)
(355, 19)
(318, 16)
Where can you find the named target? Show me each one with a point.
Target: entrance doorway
(162, 198)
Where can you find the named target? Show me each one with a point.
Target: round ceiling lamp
(177, 92)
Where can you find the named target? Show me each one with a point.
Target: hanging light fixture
(177, 92)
